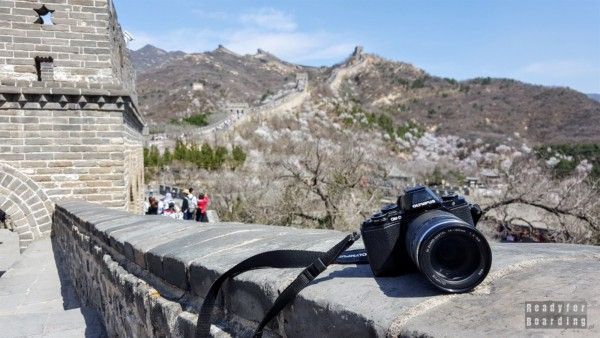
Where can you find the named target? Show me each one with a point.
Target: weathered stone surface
(38, 300)
(9, 249)
(155, 286)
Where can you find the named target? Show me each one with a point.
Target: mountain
(594, 96)
(175, 84)
(150, 57)
(485, 108)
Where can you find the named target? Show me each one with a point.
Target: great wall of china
(286, 102)
(71, 177)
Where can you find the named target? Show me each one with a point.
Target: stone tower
(69, 124)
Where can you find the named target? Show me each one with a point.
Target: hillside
(482, 107)
(174, 85)
(181, 85)
(149, 57)
(328, 155)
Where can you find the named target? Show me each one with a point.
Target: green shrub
(203, 157)
(386, 123)
(152, 157)
(485, 81)
(418, 83)
(579, 152)
(199, 120)
(167, 158)
(451, 81)
(411, 127)
(238, 156)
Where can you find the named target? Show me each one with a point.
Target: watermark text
(556, 315)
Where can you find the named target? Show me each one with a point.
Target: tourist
(164, 203)
(146, 205)
(188, 207)
(185, 203)
(192, 204)
(153, 208)
(172, 212)
(203, 202)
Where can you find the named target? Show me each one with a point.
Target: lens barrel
(451, 253)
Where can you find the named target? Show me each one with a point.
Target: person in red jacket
(203, 202)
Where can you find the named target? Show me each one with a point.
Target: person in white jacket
(163, 204)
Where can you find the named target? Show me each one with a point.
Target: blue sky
(547, 42)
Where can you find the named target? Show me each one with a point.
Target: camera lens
(451, 253)
(455, 256)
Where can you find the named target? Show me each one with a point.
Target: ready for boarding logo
(556, 315)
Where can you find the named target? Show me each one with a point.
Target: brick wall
(85, 42)
(73, 149)
(69, 125)
(133, 161)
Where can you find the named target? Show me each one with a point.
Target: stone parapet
(148, 274)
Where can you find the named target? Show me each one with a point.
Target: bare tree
(323, 186)
(569, 207)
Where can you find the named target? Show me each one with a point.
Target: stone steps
(37, 300)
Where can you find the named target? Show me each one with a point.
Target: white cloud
(268, 29)
(576, 73)
(270, 19)
(294, 46)
(557, 68)
(212, 15)
(183, 39)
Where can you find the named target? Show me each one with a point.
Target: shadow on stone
(94, 325)
(411, 285)
(9, 249)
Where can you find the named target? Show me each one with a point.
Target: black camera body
(433, 234)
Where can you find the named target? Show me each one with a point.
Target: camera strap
(314, 261)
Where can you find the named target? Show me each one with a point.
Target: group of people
(192, 207)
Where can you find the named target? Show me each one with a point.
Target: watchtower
(69, 123)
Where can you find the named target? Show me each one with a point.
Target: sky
(550, 42)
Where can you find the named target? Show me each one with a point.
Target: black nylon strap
(317, 262)
(356, 256)
(303, 279)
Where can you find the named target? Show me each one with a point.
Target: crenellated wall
(85, 42)
(147, 275)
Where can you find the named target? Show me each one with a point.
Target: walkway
(36, 300)
(9, 249)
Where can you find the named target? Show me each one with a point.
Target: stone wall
(73, 130)
(133, 156)
(85, 42)
(147, 275)
(74, 149)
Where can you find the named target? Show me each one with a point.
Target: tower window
(45, 68)
(44, 15)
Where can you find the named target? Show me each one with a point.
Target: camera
(432, 234)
